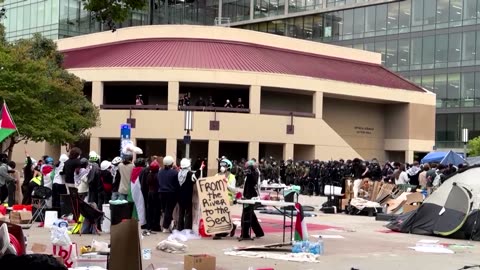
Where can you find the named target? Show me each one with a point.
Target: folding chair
(40, 195)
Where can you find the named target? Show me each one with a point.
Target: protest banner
(214, 204)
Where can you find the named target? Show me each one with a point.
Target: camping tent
(438, 157)
(452, 158)
(448, 210)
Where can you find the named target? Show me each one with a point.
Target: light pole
(188, 127)
(465, 141)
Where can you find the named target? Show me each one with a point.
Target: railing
(133, 107)
(213, 109)
(287, 113)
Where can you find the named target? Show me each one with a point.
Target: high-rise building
(435, 43)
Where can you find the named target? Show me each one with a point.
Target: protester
(59, 187)
(71, 166)
(94, 183)
(27, 176)
(186, 180)
(123, 178)
(153, 199)
(81, 179)
(249, 219)
(106, 179)
(168, 186)
(225, 171)
(6, 179)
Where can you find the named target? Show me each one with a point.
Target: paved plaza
(365, 246)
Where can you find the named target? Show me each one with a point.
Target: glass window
(467, 121)
(428, 54)
(454, 49)
(391, 58)
(441, 89)
(404, 16)
(429, 12)
(441, 51)
(453, 127)
(337, 27)
(369, 20)
(403, 54)
(441, 127)
(453, 90)
(468, 89)
(456, 7)
(359, 22)
(348, 23)
(469, 11)
(417, 11)
(416, 53)
(370, 47)
(468, 48)
(477, 90)
(428, 82)
(381, 19)
(318, 27)
(380, 48)
(307, 27)
(392, 19)
(442, 11)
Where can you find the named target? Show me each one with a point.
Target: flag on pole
(7, 126)
(301, 233)
(135, 195)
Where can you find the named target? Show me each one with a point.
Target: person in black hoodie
(249, 219)
(153, 200)
(27, 176)
(168, 187)
(186, 179)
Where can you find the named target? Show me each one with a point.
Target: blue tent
(452, 158)
(443, 158)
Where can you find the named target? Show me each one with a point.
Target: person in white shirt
(402, 176)
(59, 187)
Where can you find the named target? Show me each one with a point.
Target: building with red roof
(299, 99)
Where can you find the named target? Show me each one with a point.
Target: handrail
(133, 107)
(213, 109)
(287, 113)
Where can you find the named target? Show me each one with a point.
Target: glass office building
(435, 43)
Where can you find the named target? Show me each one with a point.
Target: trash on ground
(294, 257)
(171, 246)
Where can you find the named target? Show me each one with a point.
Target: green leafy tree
(110, 12)
(474, 147)
(46, 102)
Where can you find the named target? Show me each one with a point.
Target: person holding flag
(135, 192)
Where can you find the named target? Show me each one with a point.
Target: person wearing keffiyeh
(186, 179)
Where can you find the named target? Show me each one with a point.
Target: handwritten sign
(214, 204)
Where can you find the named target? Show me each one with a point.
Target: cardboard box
(20, 217)
(38, 248)
(199, 262)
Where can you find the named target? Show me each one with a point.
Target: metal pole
(464, 150)
(150, 15)
(187, 147)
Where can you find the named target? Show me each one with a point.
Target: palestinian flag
(7, 126)
(301, 233)
(135, 195)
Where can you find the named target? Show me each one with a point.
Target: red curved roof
(227, 55)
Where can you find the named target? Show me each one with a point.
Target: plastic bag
(60, 237)
(183, 236)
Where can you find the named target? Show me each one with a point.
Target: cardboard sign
(68, 254)
(214, 204)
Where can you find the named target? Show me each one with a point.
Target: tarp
(452, 158)
(437, 157)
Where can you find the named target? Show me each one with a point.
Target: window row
(378, 20)
(449, 127)
(453, 90)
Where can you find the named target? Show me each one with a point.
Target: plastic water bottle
(297, 247)
(321, 246)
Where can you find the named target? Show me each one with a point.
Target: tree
(110, 12)
(46, 102)
(474, 147)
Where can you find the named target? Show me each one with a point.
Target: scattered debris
(294, 257)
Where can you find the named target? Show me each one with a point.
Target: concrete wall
(286, 101)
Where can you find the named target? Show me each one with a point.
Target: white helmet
(116, 161)
(185, 163)
(63, 158)
(105, 165)
(168, 161)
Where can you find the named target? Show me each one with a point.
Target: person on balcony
(228, 104)
(139, 100)
(200, 102)
(240, 104)
(211, 103)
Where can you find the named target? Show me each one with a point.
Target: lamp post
(188, 126)
(465, 141)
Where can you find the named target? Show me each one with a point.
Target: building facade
(435, 43)
(301, 99)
